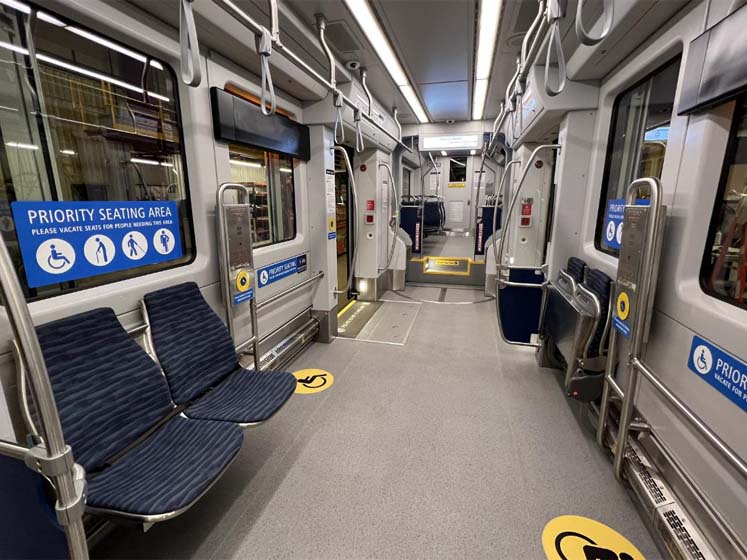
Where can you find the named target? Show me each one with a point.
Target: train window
(270, 178)
(457, 170)
(406, 178)
(724, 269)
(638, 140)
(88, 120)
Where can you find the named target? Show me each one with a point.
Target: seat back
(192, 343)
(576, 268)
(108, 390)
(600, 285)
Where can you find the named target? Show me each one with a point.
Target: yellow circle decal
(572, 537)
(310, 381)
(623, 305)
(331, 224)
(243, 281)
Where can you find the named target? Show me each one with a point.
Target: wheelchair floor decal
(572, 537)
(309, 381)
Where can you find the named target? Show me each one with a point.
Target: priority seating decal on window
(724, 372)
(63, 241)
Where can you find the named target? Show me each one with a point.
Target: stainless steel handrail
(191, 71)
(70, 490)
(564, 277)
(500, 268)
(369, 97)
(256, 28)
(393, 222)
(243, 193)
(13, 450)
(583, 36)
(356, 221)
(499, 192)
(288, 291)
(591, 296)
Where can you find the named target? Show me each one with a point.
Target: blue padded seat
(575, 268)
(600, 285)
(109, 393)
(198, 357)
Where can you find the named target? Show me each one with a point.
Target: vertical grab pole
(653, 226)
(354, 198)
(225, 264)
(395, 215)
(69, 488)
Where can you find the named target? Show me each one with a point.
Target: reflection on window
(638, 138)
(269, 176)
(724, 272)
(457, 170)
(88, 119)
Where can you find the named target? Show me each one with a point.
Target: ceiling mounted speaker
(340, 37)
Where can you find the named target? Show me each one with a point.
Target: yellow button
(243, 281)
(623, 305)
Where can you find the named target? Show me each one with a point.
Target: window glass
(457, 170)
(87, 120)
(638, 139)
(269, 176)
(406, 178)
(724, 271)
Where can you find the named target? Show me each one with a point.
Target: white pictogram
(702, 359)
(99, 250)
(134, 245)
(163, 241)
(55, 256)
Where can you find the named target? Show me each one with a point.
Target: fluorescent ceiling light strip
(25, 8)
(363, 14)
(68, 152)
(22, 146)
(412, 99)
(489, 22)
(144, 161)
(479, 95)
(286, 170)
(242, 163)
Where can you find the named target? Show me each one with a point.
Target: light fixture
(361, 11)
(472, 152)
(68, 152)
(22, 146)
(25, 8)
(489, 20)
(443, 153)
(144, 161)
(243, 163)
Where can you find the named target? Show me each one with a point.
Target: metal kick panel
(629, 268)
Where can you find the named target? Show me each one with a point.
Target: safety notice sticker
(62, 241)
(724, 372)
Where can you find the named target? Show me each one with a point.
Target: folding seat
(143, 460)
(198, 357)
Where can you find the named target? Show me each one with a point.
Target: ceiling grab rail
(364, 74)
(321, 26)
(394, 219)
(500, 257)
(357, 229)
(54, 459)
(555, 12)
(396, 121)
(359, 144)
(191, 70)
(339, 124)
(241, 16)
(583, 35)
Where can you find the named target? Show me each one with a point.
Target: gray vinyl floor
(448, 246)
(451, 446)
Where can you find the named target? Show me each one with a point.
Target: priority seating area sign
(62, 241)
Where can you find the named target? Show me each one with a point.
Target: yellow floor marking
(571, 537)
(311, 381)
(350, 304)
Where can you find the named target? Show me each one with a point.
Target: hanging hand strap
(555, 12)
(359, 146)
(339, 125)
(190, 50)
(583, 36)
(264, 49)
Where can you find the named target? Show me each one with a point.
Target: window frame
(293, 160)
(187, 234)
(740, 111)
(602, 206)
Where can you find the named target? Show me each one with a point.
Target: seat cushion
(168, 471)
(245, 397)
(600, 285)
(192, 343)
(108, 390)
(575, 269)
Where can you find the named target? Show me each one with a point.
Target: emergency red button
(369, 218)
(525, 221)
(526, 209)
(370, 205)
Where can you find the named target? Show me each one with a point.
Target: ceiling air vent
(340, 37)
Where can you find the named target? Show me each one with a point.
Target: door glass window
(86, 119)
(638, 140)
(724, 270)
(269, 177)
(457, 170)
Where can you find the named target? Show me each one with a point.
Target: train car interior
(357, 279)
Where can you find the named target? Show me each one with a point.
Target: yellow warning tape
(350, 304)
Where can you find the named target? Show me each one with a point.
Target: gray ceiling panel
(450, 100)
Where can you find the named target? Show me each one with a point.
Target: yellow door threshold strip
(454, 266)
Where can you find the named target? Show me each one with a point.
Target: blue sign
(622, 327)
(660, 134)
(241, 297)
(724, 372)
(279, 270)
(331, 235)
(62, 241)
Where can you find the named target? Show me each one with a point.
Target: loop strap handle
(339, 125)
(583, 35)
(264, 49)
(191, 70)
(359, 145)
(554, 41)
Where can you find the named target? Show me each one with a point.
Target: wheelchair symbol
(591, 550)
(311, 382)
(55, 256)
(702, 359)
